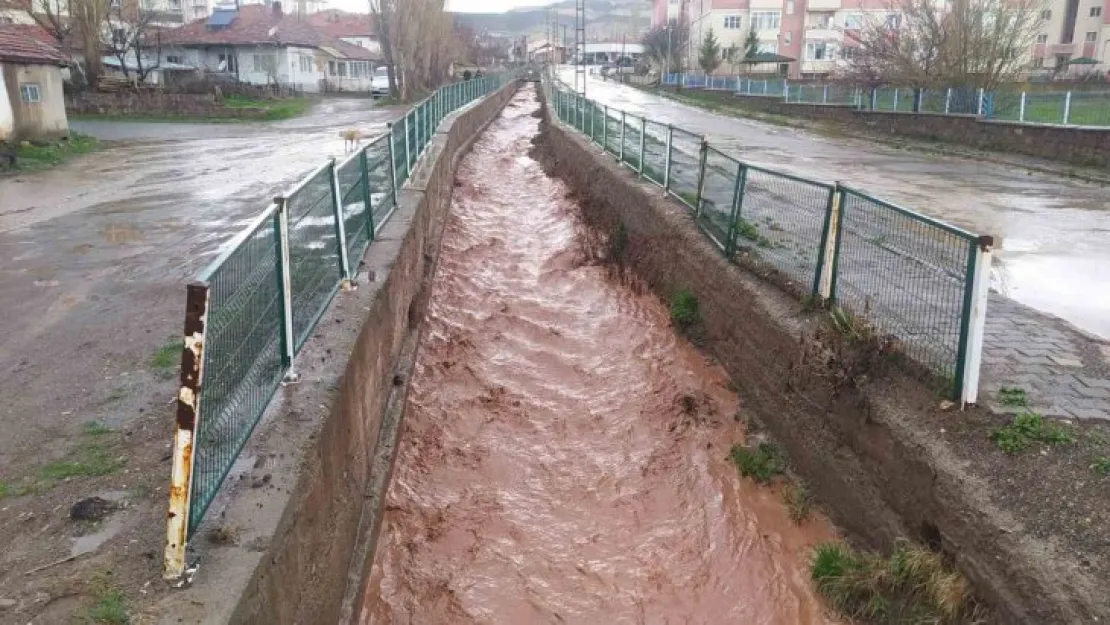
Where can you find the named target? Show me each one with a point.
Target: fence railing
(920, 280)
(1074, 108)
(253, 309)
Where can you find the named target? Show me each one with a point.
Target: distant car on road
(379, 83)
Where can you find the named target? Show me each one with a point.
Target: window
(306, 64)
(175, 5)
(1046, 14)
(342, 69)
(227, 63)
(821, 20)
(1038, 62)
(264, 63)
(119, 37)
(790, 7)
(1092, 37)
(30, 93)
(173, 59)
(734, 22)
(766, 20)
(331, 68)
(849, 52)
(1042, 38)
(1096, 11)
(893, 20)
(853, 21)
(767, 48)
(787, 37)
(817, 51)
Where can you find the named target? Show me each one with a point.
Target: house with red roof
(260, 44)
(354, 28)
(32, 104)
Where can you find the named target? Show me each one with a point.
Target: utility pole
(580, 47)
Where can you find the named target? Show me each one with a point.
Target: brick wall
(1077, 146)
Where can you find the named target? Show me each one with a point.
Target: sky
(490, 6)
(463, 6)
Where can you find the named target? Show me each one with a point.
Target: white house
(32, 105)
(261, 45)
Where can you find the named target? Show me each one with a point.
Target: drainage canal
(564, 453)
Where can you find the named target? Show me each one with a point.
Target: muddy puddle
(564, 454)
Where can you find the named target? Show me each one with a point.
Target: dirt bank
(881, 456)
(563, 457)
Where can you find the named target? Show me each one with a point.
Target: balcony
(823, 5)
(819, 33)
(824, 66)
(1062, 48)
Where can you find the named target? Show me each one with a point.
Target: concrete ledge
(872, 451)
(289, 521)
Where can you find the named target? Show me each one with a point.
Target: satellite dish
(272, 32)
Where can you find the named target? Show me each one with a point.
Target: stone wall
(869, 450)
(156, 103)
(1078, 146)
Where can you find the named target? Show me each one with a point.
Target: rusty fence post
(188, 416)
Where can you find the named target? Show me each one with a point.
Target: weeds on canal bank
(684, 311)
(912, 585)
(761, 464)
(1029, 428)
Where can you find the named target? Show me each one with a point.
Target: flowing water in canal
(563, 458)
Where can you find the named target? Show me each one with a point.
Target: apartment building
(807, 38)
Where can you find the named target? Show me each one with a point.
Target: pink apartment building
(810, 35)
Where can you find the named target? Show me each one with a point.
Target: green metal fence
(921, 280)
(256, 306)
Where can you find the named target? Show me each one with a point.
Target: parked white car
(379, 82)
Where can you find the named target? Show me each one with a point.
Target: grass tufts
(761, 464)
(799, 503)
(166, 359)
(913, 585)
(749, 231)
(684, 311)
(110, 606)
(1100, 466)
(94, 461)
(1029, 428)
(1012, 396)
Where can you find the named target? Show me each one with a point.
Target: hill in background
(605, 20)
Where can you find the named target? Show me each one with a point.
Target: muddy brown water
(563, 458)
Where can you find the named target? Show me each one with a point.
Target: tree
(709, 53)
(664, 46)
(973, 44)
(418, 40)
(128, 31)
(79, 21)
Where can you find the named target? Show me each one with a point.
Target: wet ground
(95, 254)
(563, 457)
(1052, 231)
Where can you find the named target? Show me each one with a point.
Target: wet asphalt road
(95, 255)
(1054, 233)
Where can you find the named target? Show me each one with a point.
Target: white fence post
(948, 101)
(977, 321)
(621, 156)
(1067, 108)
(667, 163)
(289, 342)
(1021, 110)
(896, 98)
(340, 227)
(981, 95)
(832, 227)
(825, 95)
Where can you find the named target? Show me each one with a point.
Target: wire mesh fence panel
(933, 100)
(1089, 108)
(242, 352)
(719, 189)
(596, 124)
(382, 198)
(356, 217)
(685, 166)
(399, 158)
(893, 99)
(313, 257)
(413, 146)
(613, 132)
(655, 152)
(907, 275)
(781, 219)
(632, 128)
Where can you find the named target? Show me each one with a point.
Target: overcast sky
(490, 6)
(468, 6)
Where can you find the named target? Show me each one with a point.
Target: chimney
(277, 9)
